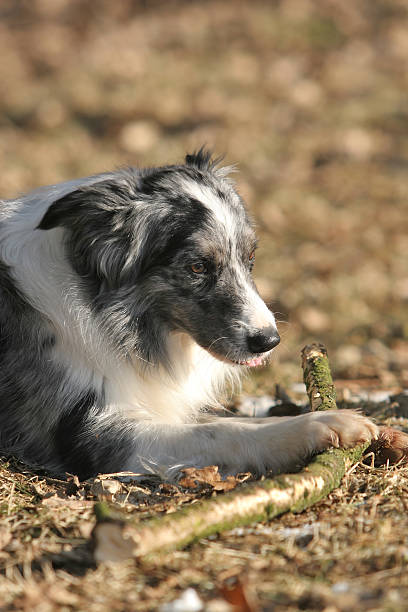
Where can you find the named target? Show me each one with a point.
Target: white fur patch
(197, 380)
(209, 199)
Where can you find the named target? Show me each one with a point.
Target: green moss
(102, 512)
(324, 382)
(318, 378)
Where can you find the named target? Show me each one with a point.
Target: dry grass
(348, 552)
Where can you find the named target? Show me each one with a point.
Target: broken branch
(117, 540)
(317, 377)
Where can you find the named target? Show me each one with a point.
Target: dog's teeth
(256, 361)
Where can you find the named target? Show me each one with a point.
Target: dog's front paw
(339, 428)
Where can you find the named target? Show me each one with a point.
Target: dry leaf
(391, 446)
(167, 488)
(106, 489)
(237, 596)
(207, 476)
(39, 488)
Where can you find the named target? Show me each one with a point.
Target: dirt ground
(309, 99)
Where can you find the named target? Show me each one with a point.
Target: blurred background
(308, 97)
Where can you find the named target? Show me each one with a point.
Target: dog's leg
(236, 445)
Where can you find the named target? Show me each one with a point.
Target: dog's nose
(263, 340)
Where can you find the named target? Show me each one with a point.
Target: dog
(126, 306)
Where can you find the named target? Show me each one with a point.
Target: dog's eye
(251, 257)
(198, 268)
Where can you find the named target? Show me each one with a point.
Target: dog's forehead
(228, 225)
(181, 185)
(226, 229)
(221, 201)
(222, 247)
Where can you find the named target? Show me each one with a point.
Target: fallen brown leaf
(236, 595)
(391, 446)
(208, 476)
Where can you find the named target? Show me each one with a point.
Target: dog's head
(168, 249)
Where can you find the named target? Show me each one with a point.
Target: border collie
(126, 305)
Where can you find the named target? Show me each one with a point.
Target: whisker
(217, 340)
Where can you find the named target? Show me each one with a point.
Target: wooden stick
(317, 377)
(253, 502)
(117, 540)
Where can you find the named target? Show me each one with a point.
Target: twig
(252, 502)
(10, 499)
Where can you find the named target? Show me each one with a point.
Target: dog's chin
(249, 362)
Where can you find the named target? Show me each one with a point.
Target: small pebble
(189, 601)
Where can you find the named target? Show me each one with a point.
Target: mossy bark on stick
(117, 540)
(317, 377)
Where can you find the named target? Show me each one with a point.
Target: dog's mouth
(252, 362)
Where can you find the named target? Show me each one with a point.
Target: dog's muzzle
(263, 340)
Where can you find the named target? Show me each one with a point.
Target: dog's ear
(92, 200)
(61, 211)
(96, 216)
